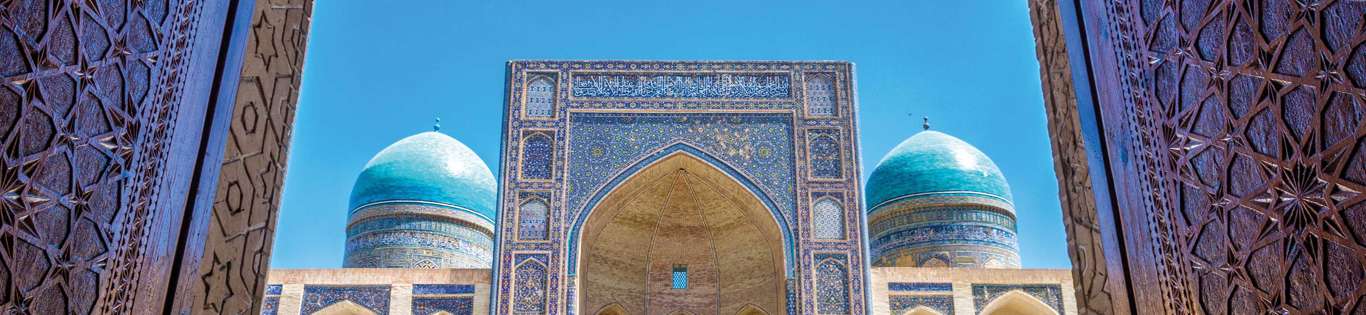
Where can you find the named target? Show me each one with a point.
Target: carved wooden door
(114, 119)
(1233, 135)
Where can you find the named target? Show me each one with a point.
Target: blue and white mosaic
(1051, 294)
(757, 145)
(832, 290)
(432, 289)
(452, 305)
(919, 287)
(723, 85)
(373, 297)
(903, 303)
(611, 118)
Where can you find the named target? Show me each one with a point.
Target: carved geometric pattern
(827, 220)
(1095, 289)
(89, 106)
(820, 94)
(1246, 126)
(240, 233)
(531, 218)
(536, 156)
(540, 97)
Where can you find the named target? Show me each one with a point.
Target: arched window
(825, 157)
(540, 97)
(536, 156)
(820, 94)
(827, 220)
(531, 218)
(832, 293)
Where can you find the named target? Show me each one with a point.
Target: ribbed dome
(932, 162)
(430, 167)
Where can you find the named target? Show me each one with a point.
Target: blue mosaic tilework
(541, 97)
(270, 305)
(373, 297)
(453, 305)
(423, 289)
(723, 85)
(530, 294)
(274, 289)
(827, 220)
(758, 145)
(536, 156)
(919, 286)
(947, 234)
(821, 94)
(653, 89)
(940, 303)
(532, 220)
(418, 249)
(832, 281)
(826, 160)
(1051, 294)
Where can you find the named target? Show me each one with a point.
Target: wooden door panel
(1236, 138)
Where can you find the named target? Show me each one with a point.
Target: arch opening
(681, 213)
(1017, 303)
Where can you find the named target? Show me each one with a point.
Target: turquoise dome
(935, 163)
(427, 167)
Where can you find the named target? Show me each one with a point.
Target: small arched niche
(1017, 303)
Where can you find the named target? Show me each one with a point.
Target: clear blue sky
(378, 72)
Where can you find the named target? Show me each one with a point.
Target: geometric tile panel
(373, 297)
(919, 287)
(940, 303)
(612, 118)
(1050, 294)
(453, 305)
(426, 289)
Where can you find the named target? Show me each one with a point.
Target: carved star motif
(1300, 196)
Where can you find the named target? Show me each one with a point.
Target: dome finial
(927, 122)
(437, 125)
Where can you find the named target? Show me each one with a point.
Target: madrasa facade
(636, 187)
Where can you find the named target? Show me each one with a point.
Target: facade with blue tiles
(676, 187)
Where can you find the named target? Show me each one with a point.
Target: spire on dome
(437, 125)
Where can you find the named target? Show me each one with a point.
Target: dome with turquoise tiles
(932, 162)
(937, 201)
(426, 201)
(428, 167)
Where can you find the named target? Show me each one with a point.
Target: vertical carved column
(1098, 278)
(230, 237)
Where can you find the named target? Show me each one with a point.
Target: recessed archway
(681, 235)
(1017, 303)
